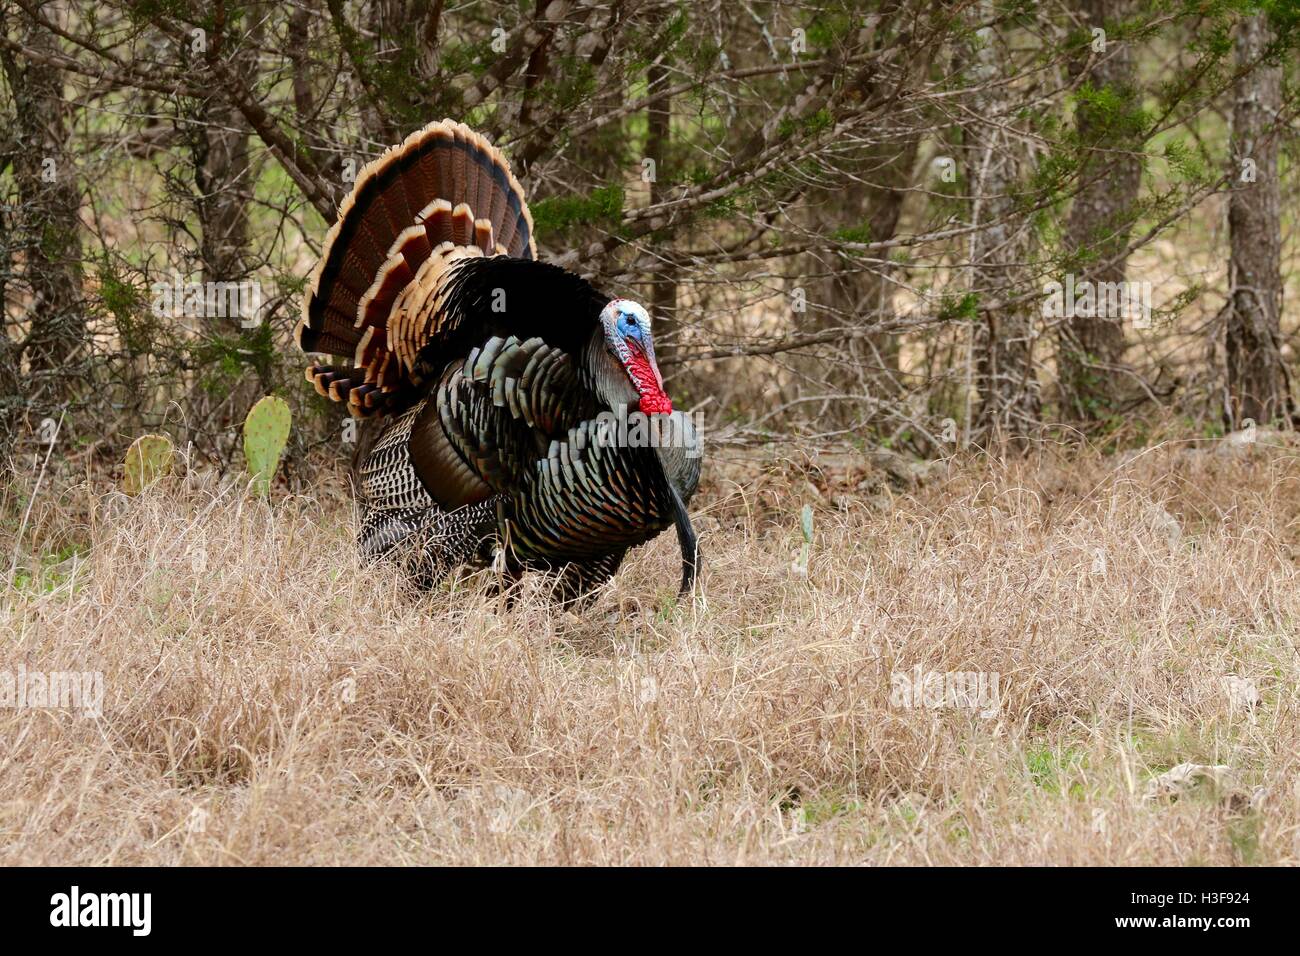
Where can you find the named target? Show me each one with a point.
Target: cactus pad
(266, 429)
(149, 458)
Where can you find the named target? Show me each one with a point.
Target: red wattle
(654, 400)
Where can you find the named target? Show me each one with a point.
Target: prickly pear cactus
(266, 429)
(149, 458)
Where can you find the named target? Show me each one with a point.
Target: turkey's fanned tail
(443, 195)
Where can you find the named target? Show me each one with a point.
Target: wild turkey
(493, 378)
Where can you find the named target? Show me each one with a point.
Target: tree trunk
(857, 295)
(663, 287)
(1004, 339)
(1091, 349)
(870, 294)
(223, 173)
(49, 222)
(11, 394)
(222, 178)
(1259, 386)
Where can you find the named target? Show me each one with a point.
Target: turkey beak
(685, 538)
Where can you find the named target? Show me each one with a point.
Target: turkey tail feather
(444, 184)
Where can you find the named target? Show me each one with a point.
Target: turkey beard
(685, 536)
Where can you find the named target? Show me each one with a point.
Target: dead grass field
(269, 702)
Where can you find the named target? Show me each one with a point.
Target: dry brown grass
(268, 702)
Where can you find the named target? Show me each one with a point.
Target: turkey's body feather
(488, 371)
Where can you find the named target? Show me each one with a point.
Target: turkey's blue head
(626, 325)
